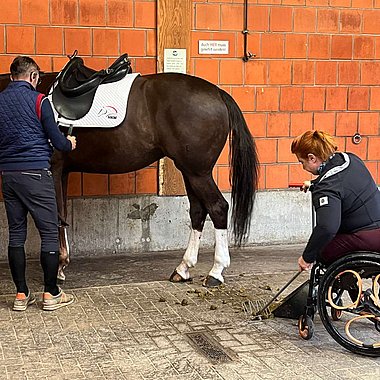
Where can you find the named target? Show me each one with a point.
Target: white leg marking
(222, 255)
(190, 257)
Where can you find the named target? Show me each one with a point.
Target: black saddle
(75, 90)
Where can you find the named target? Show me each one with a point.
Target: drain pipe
(247, 55)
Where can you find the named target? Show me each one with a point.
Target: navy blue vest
(23, 141)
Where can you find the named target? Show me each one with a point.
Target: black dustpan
(294, 304)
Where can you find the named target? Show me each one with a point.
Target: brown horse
(187, 119)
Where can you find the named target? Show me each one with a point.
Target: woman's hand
(303, 265)
(305, 186)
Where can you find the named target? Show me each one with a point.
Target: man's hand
(305, 186)
(303, 265)
(73, 141)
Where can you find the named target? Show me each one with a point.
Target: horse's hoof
(176, 277)
(211, 282)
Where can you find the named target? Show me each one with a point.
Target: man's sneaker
(51, 302)
(22, 301)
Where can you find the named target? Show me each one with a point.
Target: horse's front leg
(190, 258)
(221, 259)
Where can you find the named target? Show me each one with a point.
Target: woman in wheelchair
(344, 244)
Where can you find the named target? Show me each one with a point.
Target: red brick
(2, 40)
(325, 121)
(78, 38)
(374, 148)
(92, 13)
(120, 13)
(295, 45)
(278, 125)
(370, 73)
(146, 181)
(267, 150)
(245, 97)
(95, 184)
(96, 63)
(348, 72)
(375, 98)
(20, 39)
(11, 16)
(259, 19)
(377, 46)
(371, 22)
(257, 123)
(49, 40)
(272, 45)
(74, 185)
(145, 14)
(341, 47)
(231, 38)
(223, 175)
(314, 98)
(297, 174)
(358, 149)
(317, 3)
(326, 72)
(146, 66)
(36, 13)
(319, 46)
(64, 12)
(207, 69)
(5, 62)
(305, 19)
(123, 183)
(253, 45)
(303, 72)
(336, 98)
(105, 42)
(291, 99)
(276, 176)
(267, 99)
(133, 42)
(300, 122)
(231, 71)
(369, 123)
(362, 3)
(281, 19)
(195, 37)
(207, 16)
(346, 123)
(358, 99)
(364, 47)
(350, 21)
(231, 16)
(328, 20)
(280, 72)
(256, 72)
(340, 3)
(284, 154)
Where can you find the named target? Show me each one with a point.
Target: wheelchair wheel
(348, 302)
(305, 327)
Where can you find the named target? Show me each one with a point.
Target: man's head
(25, 68)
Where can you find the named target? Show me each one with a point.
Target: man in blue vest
(28, 133)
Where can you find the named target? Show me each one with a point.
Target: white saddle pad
(108, 108)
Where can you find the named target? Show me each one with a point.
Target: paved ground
(129, 322)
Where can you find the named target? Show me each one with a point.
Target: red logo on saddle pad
(108, 111)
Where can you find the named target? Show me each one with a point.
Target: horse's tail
(244, 167)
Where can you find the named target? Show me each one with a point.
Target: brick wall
(316, 66)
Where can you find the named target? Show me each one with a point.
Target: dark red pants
(343, 244)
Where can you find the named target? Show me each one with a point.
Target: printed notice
(175, 61)
(212, 47)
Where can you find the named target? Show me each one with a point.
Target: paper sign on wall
(212, 47)
(175, 61)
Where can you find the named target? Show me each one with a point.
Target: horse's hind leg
(198, 215)
(211, 199)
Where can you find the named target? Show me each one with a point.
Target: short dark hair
(22, 65)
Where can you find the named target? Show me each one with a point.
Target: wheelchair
(346, 295)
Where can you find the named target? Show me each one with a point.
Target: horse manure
(162, 299)
(184, 302)
(213, 307)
